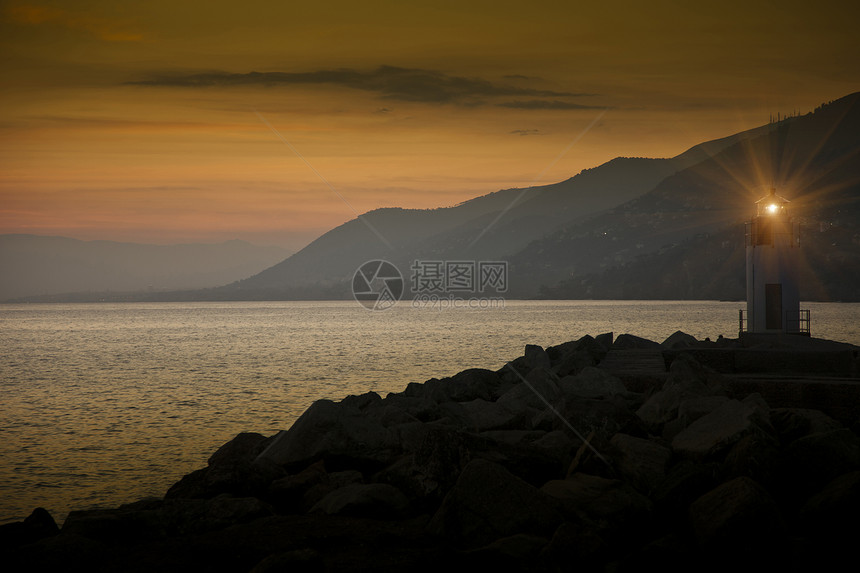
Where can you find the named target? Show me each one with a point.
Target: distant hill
(491, 227)
(631, 228)
(32, 266)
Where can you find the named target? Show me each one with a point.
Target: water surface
(103, 404)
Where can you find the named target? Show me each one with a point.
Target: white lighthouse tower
(773, 297)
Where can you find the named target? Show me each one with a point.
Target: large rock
(679, 339)
(640, 462)
(687, 379)
(339, 433)
(38, 525)
(151, 519)
(631, 342)
(536, 390)
(536, 357)
(793, 423)
(614, 505)
(713, 434)
(489, 502)
(592, 383)
(738, 517)
(831, 514)
(811, 462)
(467, 385)
(367, 500)
(684, 483)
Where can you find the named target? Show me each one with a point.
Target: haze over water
(107, 403)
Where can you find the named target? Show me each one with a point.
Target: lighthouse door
(773, 306)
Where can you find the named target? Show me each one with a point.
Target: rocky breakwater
(548, 464)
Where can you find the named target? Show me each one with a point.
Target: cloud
(389, 82)
(102, 28)
(544, 104)
(525, 132)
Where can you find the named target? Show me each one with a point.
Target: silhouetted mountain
(36, 265)
(490, 227)
(684, 239)
(630, 228)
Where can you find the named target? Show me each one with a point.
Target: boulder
(640, 462)
(376, 500)
(592, 383)
(615, 505)
(794, 423)
(738, 517)
(38, 525)
(687, 379)
(232, 469)
(810, 462)
(538, 389)
(481, 416)
(536, 357)
(684, 483)
(831, 514)
(631, 342)
(679, 339)
(287, 493)
(487, 503)
(713, 434)
(577, 545)
(338, 433)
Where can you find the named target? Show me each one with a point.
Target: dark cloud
(526, 132)
(544, 104)
(390, 82)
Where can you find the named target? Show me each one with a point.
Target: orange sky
(136, 120)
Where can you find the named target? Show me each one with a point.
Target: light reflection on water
(106, 403)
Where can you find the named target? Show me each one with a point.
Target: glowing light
(772, 208)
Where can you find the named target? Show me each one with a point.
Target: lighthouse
(773, 296)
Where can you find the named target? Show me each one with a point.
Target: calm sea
(101, 404)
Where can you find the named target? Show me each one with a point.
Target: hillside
(491, 227)
(684, 239)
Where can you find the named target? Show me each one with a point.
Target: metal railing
(798, 324)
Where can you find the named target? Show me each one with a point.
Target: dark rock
(615, 507)
(756, 456)
(240, 450)
(38, 525)
(366, 500)
(296, 561)
(287, 493)
(679, 339)
(170, 518)
(439, 460)
(578, 546)
(687, 379)
(520, 552)
(809, 463)
(592, 382)
(793, 423)
(738, 517)
(628, 341)
(536, 357)
(830, 515)
(538, 389)
(712, 435)
(489, 502)
(684, 483)
(606, 417)
(640, 462)
(338, 433)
